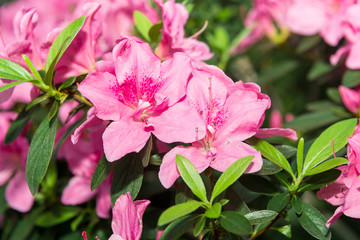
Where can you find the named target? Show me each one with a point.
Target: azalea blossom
(345, 191)
(12, 167)
(351, 99)
(141, 95)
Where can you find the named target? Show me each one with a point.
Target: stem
(214, 226)
(272, 222)
(82, 100)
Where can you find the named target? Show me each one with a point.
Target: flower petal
(77, 191)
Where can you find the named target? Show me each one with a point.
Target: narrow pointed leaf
(236, 223)
(231, 174)
(54, 109)
(199, 226)
(32, 67)
(327, 165)
(278, 202)
(17, 126)
(261, 216)
(300, 156)
(177, 228)
(142, 24)
(297, 204)
(12, 71)
(102, 171)
(36, 101)
(272, 154)
(41, 148)
(10, 85)
(178, 211)
(146, 152)
(59, 46)
(323, 146)
(191, 177)
(67, 83)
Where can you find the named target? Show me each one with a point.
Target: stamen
(201, 30)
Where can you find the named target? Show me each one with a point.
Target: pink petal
(335, 58)
(352, 60)
(168, 170)
(18, 194)
(351, 99)
(176, 73)
(275, 119)
(338, 212)
(123, 137)
(97, 87)
(5, 95)
(229, 152)
(77, 191)
(115, 237)
(8, 165)
(351, 206)
(103, 201)
(282, 132)
(179, 123)
(127, 217)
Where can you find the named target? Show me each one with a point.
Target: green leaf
(297, 204)
(191, 177)
(17, 126)
(235, 223)
(146, 152)
(10, 85)
(59, 46)
(286, 150)
(269, 168)
(223, 202)
(32, 67)
(142, 24)
(272, 154)
(23, 228)
(322, 148)
(56, 216)
(76, 222)
(128, 176)
(214, 211)
(334, 94)
(319, 69)
(68, 82)
(199, 226)
(3, 202)
(284, 230)
(351, 78)
(327, 165)
(231, 174)
(54, 109)
(278, 202)
(12, 71)
(307, 43)
(102, 171)
(261, 216)
(300, 156)
(314, 222)
(41, 148)
(178, 227)
(36, 101)
(257, 183)
(178, 211)
(154, 32)
(320, 180)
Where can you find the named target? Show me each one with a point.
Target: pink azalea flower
(319, 16)
(260, 21)
(231, 113)
(345, 191)
(141, 95)
(82, 160)
(12, 167)
(351, 29)
(351, 99)
(174, 16)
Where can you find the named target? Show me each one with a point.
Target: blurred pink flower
(351, 29)
(141, 95)
(174, 17)
(231, 113)
(345, 191)
(12, 167)
(351, 99)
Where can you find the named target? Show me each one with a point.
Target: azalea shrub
(128, 120)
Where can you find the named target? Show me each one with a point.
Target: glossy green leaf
(128, 176)
(236, 223)
(32, 67)
(320, 180)
(146, 152)
(261, 216)
(56, 216)
(177, 228)
(323, 146)
(36, 101)
(59, 46)
(154, 32)
(314, 223)
(10, 85)
(178, 211)
(214, 211)
(300, 156)
(142, 24)
(40, 151)
(327, 165)
(102, 171)
(12, 71)
(231, 174)
(257, 183)
(223, 202)
(68, 82)
(284, 230)
(272, 154)
(199, 226)
(191, 177)
(269, 168)
(278, 202)
(297, 204)
(17, 126)
(54, 109)
(286, 150)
